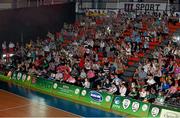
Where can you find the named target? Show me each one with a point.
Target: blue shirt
(137, 39)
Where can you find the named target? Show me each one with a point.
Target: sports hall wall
(32, 22)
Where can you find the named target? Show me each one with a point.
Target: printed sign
(130, 106)
(99, 99)
(169, 114)
(66, 90)
(142, 6)
(96, 96)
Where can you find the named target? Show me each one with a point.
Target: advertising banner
(21, 79)
(169, 114)
(14, 78)
(42, 84)
(139, 6)
(157, 111)
(66, 90)
(130, 106)
(95, 98)
(4, 78)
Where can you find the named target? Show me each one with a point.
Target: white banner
(169, 114)
(131, 6)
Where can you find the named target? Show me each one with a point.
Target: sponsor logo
(55, 85)
(65, 87)
(117, 100)
(108, 98)
(135, 106)
(14, 76)
(77, 91)
(144, 107)
(126, 103)
(96, 96)
(154, 111)
(83, 92)
(142, 6)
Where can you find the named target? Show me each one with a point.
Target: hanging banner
(137, 6)
(130, 106)
(95, 98)
(66, 90)
(132, 6)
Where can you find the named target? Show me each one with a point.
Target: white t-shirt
(143, 94)
(151, 81)
(87, 84)
(102, 44)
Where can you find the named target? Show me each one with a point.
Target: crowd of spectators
(94, 52)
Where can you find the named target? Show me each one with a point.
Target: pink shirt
(90, 74)
(173, 89)
(177, 70)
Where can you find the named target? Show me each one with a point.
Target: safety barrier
(130, 106)
(92, 98)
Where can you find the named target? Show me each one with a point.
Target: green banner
(66, 90)
(14, 78)
(42, 84)
(4, 78)
(130, 106)
(95, 98)
(21, 79)
(166, 111)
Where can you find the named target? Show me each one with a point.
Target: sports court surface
(16, 101)
(12, 105)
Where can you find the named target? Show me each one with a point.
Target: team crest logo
(24, 77)
(135, 106)
(14, 76)
(126, 103)
(19, 76)
(155, 111)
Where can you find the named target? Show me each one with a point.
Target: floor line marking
(10, 108)
(40, 103)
